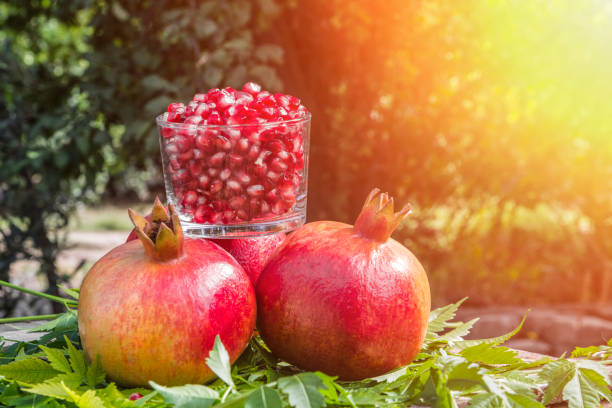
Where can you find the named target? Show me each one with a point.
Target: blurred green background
(491, 117)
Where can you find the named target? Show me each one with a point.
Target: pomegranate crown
(377, 221)
(161, 235)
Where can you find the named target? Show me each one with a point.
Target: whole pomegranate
(251, 253)
(150, 309)
(345, 300)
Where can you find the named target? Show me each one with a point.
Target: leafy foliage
(485, 374)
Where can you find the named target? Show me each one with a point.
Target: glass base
(246, 230)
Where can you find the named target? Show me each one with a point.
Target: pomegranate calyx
(161, 236)
(377, 219)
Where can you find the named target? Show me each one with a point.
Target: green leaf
(596, 367)
(523, 401)
(439, 317)
(64, 322)
(187, 396)
(49, 388)
(579, 393)
(556, 374)
(77, 359)
(29, 370)
(487, 400)
(57, 359)
(219, 362)
(457, 333)
(493, 340)
(303, 390)
(95, 375)
(489, 354)
(264, 397)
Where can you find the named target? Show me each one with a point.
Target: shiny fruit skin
(252, 253)
(333, 301)
(148, 320)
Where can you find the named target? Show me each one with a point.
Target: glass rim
(162, 122)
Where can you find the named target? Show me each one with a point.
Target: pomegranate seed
(135, 396)
(229, 216)
(200, 97)
(176, 116)
(242, 145)
(233, 186)
(203, 181)
(191, 107)
(198, 154)
(244, 178)
(190, 198)
(213, 172)
(195, 168)
(235, 160)
(225, 174)
(252, 88)
(272, 176)
(220, 205)
(167, 132)
(223, 143)
(255, 190)
(253, 152)
(216, 186)
(173, 107)
(185, 157)
(237, 203)
(217, 159)
(205, 143)
(278, 165)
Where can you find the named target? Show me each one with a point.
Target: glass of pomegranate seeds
(235, 162)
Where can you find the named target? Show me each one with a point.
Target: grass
(106, 217)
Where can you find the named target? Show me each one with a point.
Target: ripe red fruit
(150, 309)
(252, 253)
(135, 396)
(345, 300)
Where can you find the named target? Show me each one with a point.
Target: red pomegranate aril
(252, 88)
(186, 157)
(235, 160)
(190, 198)
(214, 119)
(176, 116)
(175, 164)
(135, 396)
(278, 165)
(220, 205)
(213, 172)
(215, 186)
(197, 154)
(181, 175)
(272, 195)
(288, 194)
(272, 176)
(193, 120)
(225, 174)
(242, 215)
(228, 216)
(260, 168)
(242, 145)
(253, 153)
(167, 132)
(205, 144)
(255, 190)
(203, 181)
(191, 107)
(177, 106)
(196, 168)
(223, 143)
(243, 178)
(172, 148)
(237, 202)
(203, 110)
(217, 159)
(200, 97)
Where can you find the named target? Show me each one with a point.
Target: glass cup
(236, 181)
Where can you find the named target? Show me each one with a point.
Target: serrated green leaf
(95, 375)
(598, 382)
(264, 397)
(111, 396)
(457, 333)
(234, 401)
(579, 393)
(487, 400)
(48, 388)
(77, 359)
(584, 351)
(56, 359)
(523, 401)
(464, 376)
(64, 322)
(556, 374)
(438, 318)
(489, 354)
(597, 367)
(29, 371)
(219, 362)
(187, 396)
(493, 340)
(303, 390)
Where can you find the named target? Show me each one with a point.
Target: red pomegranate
(150, 309)
(251, 253)
(345, 300)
